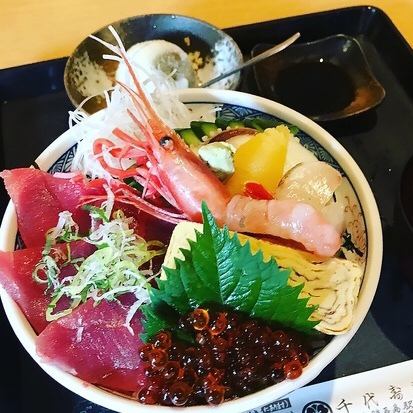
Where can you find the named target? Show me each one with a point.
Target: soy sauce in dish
(314, 87)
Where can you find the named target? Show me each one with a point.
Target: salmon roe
(232, 356)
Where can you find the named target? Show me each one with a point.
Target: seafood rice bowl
(188, 249)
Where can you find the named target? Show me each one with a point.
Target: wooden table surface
(35, 30)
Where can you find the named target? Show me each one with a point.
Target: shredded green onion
(112, 270)
(96, 213)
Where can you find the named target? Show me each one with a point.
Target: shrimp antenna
(139, 96)
(117, 38)
(120, 51)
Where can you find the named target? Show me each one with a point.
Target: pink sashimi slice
(94, 344)
(38, 198)
(16, 270)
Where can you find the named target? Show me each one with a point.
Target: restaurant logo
(276, 406)
(317, 407)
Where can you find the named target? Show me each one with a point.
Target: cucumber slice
(261, 123)
(236, 123)
(202, 129)
(222, 122)
(267, 123)
(293, 129)
(252, 123)
(188, 135)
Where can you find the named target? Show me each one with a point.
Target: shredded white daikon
(110, 201)
(79, 334)
(65, 224)
(162, 96)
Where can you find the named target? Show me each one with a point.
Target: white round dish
(373, 261)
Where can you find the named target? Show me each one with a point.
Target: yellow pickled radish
(261, 159)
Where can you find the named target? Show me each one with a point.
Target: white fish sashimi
(297, 153)
(311, 182)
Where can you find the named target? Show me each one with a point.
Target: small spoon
(264, 55)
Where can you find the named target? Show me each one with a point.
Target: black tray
(33, 112)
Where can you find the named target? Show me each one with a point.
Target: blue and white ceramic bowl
(362, 224)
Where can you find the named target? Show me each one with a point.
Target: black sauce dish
(326, 79)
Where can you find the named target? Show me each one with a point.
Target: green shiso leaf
(153, 322)
(217, 268)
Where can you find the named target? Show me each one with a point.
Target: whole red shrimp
(165, 164)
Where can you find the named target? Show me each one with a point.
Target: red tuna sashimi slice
(124, 381)
(147, 226)
(16, 278)
(94, 344)
(16, 270)
(38, 198)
